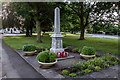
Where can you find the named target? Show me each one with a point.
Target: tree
(42, 12)
(92, 12)
(9, 19)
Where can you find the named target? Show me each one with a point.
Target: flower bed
(92, 65)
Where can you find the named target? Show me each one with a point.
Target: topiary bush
(88, 50)
(46, 57)
(29, 47)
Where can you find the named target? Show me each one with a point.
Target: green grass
(99, 44)
(18, 42)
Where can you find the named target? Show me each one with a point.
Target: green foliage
(45, 34)
(97, 67)
(91, 67)
(29, 47)
(94, 64)
(75, 49)
(46, 57)
(81, 73)
(87, 70)
(110, 58)
(79, 50)
(88, 50)
(65, 72)
(72, 75)
(42, 49)
(97, 55)
(64, 45)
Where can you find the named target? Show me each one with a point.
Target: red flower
(64, 54)
(59, 54)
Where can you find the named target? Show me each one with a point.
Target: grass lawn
(99, 44)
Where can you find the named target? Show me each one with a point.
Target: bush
(46, 57)
(29, 47)
(79, 50)
(97, 55)
(75, 49)
(87, 70)
(81, 73)
(41, 49)
(45, 34)
(72, 75)
(65, 72)
(88, 50)
(97, 67)
(64, 45)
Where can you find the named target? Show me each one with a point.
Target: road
(103, 36)
(13, 66)
(91, 35)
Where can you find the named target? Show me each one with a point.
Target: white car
(2, 31)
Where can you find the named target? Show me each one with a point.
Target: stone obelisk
(57, 37)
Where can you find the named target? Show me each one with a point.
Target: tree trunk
(38, 29)
(82, 24)
(65, 33)
(82, 33)
(27, 32)
(31, 31)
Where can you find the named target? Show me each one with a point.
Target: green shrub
(41, 49)
(29, 47)
(81, 73)
(91, 67)
(110, 58)
(75, 49)
(64, 45)
(45, 33)
(65, 72)
(46, 57)
(87, 70)
(72, 75)
(97, 55)
(88, 50)
(79, 50)
(97, 67)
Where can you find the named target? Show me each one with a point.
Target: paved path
(13, 66)
(91, 35)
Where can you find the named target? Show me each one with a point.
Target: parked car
(2, 31)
